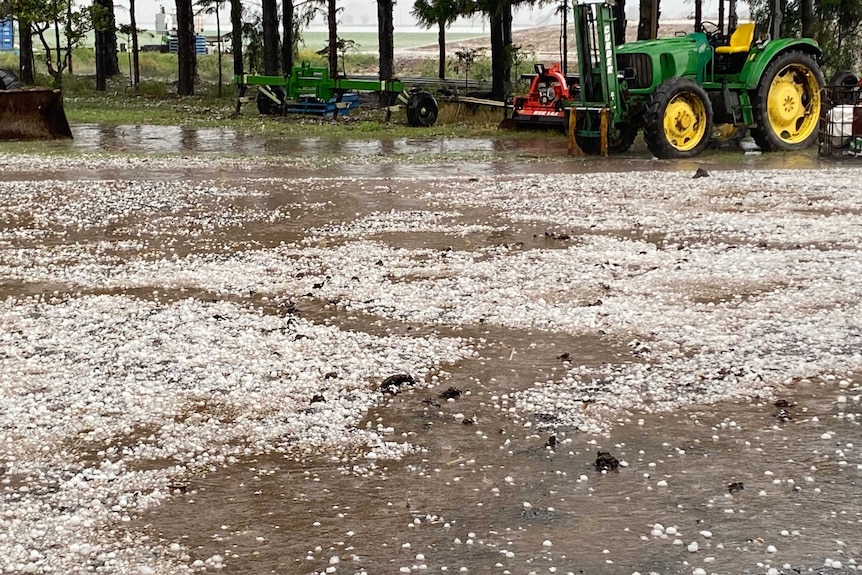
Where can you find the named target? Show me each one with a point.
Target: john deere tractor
(683, 91)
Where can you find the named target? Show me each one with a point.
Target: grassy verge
(204, 111)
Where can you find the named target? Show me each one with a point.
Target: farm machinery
(30, 114)
(311, 90)
(677, 90)
(544, 105)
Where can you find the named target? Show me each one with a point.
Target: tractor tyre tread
(653, 119)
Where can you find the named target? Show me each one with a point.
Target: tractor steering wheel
(713, 32)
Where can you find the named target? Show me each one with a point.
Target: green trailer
(311, 90)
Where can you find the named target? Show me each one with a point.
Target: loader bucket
(34, 114)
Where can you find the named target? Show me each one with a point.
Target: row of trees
(59, 26)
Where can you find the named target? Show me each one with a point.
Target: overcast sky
(363, 13)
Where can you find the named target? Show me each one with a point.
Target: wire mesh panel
(841, 121)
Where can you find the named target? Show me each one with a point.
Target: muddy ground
(196, 330)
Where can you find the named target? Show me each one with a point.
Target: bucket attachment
(34, 114)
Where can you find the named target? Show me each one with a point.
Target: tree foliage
(837, 27)
(440, 13)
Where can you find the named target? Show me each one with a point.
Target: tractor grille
(641, 64)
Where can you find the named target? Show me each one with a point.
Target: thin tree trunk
(507, 45)
(69, 35)
(186, 56)
(498, 57)
(441, 43)
(101, 77)
(58, 75)
(386, 38)
(331, 15)
(25, 57)
(808, 19)
(136, 63)
(619, 12)
(218, 47)
(648, 22)
(236, 35)
(287, 37)
(270, 37)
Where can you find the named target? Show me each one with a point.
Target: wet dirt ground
(765, 479)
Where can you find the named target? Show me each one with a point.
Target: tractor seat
(740, 40)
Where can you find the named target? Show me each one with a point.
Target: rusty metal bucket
(33, 114)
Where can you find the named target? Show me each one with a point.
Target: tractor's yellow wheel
(678, 119)
(787, 109)
(685, 121)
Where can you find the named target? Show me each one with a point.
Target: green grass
(204, 111)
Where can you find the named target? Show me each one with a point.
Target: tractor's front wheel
(787, 103)
(678, 119)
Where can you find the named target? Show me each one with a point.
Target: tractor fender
(759, 58)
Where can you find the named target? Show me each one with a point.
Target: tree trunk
(498, 57)
(219, 48)
(271, 50)
(136, 62)
(101, 77)
(25, 57)
(441, 43)
(236, 35)
(186, 56)
(287, 37)
(698, 15)
(808, 19)
(386, 35)
(331, 15)
(507, 46)
(619, 12)
(109, 29)
(69, 36)
(648, 22)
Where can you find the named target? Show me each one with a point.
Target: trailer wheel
(678, 119)
(266, 105)
(421, 110)
(8, 81)
(787, 103)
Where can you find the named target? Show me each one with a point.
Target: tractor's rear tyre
(421, 110)
(678, 120)
(8, 81)
(265, 104)
(787, 103)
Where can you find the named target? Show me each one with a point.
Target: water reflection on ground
(371, 157)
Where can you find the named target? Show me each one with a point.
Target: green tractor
(684, 91)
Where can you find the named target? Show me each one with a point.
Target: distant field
(367, 41)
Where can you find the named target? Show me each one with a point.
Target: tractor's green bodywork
(623, 80)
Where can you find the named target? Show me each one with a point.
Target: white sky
(363, 12)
